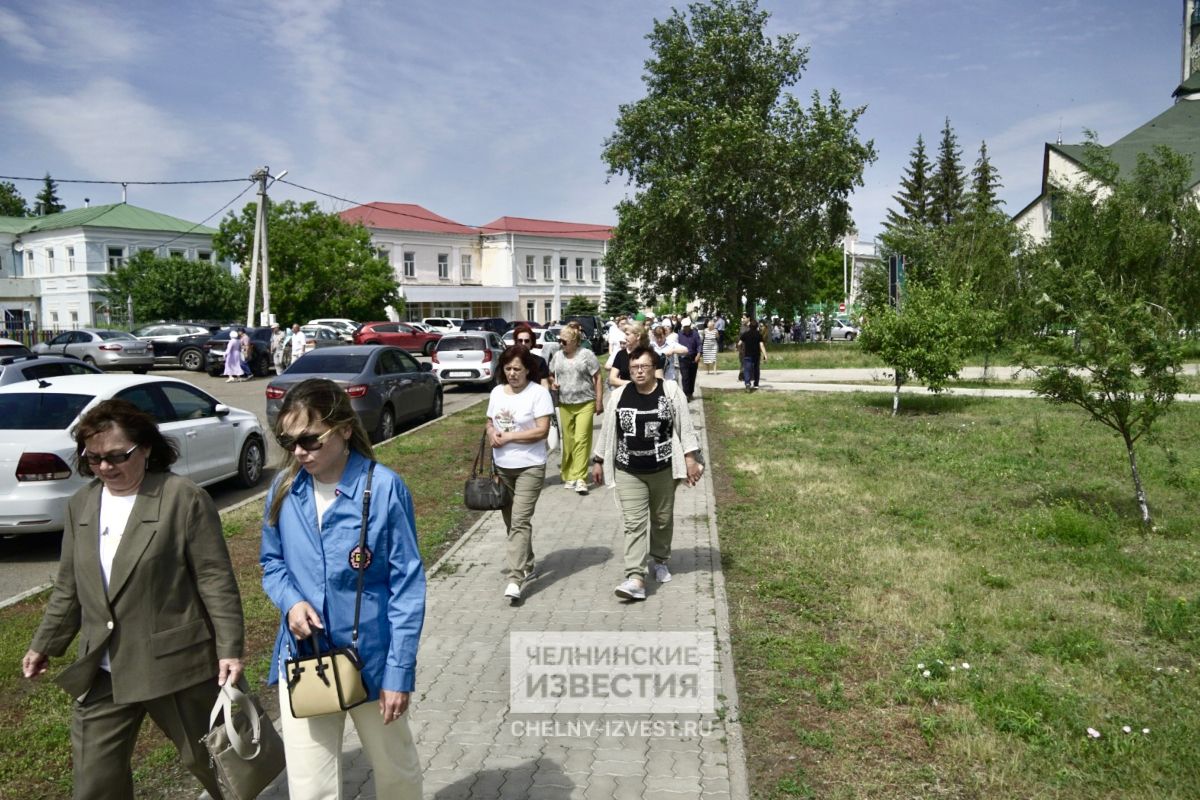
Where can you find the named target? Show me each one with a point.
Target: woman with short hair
(575, 375)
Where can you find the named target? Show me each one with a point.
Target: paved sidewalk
(470, 743)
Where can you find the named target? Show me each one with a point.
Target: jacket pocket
(174, 639)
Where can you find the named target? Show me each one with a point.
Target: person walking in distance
(709, 345)
(689, 340)
(754, 351)
(299, 342)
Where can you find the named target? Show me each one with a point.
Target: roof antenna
(1059, 142)
(124, 186)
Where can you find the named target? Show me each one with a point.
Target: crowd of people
(146, 583)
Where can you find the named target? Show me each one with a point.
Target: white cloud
(71, 34)
(17, 35)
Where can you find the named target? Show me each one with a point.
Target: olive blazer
(172, 606)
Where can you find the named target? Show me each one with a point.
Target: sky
(476, 109)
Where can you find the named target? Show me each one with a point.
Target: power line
(210, 216)
(123, 183)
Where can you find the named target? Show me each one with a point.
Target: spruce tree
(947, 201)
(619, 296)
(47, 199)
(984, 183)
(914, 190)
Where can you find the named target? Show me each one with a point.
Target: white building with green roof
(52, 268)
(1177, 128)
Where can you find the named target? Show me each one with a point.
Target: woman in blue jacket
(310, 554)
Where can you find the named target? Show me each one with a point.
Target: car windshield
(551, 335)
(461, 343)
(13, 350)
(43, 411)
(320, 363)
(114, 335)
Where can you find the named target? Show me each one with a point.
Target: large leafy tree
(47, 201)
(913, 197)
(736, 183)
(174, 288)
(321, 266)
(947, 199)
(12, 204)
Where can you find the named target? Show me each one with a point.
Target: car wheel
(436, 411)
(140, 370)
(192, 360)
(849, 337)
(387, 425)
(428, 348)
(250, 463)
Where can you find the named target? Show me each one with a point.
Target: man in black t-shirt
(754, 351)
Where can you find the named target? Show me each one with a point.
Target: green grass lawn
(942, 604)
(34, 736)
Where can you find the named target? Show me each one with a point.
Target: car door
(58, 345)
(389, 381)
(150, 399)
(418, 388)
(407, 337)
(212, 439)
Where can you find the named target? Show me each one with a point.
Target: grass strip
(35, 735)
(942, 604)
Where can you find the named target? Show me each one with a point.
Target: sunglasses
(523, 340)
(112, 458)
(310, 442)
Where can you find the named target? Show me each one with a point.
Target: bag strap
(229, 695)
(362, 554)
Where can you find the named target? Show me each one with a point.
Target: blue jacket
(302, 563)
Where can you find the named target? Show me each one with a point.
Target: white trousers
(314, 752)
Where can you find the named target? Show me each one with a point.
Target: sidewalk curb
(739, 786)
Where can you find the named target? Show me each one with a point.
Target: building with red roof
(513, 267)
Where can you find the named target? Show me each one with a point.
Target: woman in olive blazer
(146, 581)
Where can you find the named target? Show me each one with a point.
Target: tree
(926, 338)
(914, 191)
(11, 202)
(578, 304)
(946, 201)
(1119, 273)
(985, 181)
(736, 183)
(174, 288)
(619, 296)
(47, 199)
(321, 266)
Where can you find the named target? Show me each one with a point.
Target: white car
(443, 324)
(468, 357)
(539, 340)
(38, 456)
(344, 328)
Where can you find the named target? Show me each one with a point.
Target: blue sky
(477, 109)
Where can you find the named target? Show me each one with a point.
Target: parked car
(838, 329)
(14, 369)
(260, 351)
(397, 334)
(11, 347)
(421, 326)
(386, 385)
(529, 322)
(37, 453)
(468, 357)
(443, 324)
(497, 325)
(593, 331)
(345, 328)
(177, 344)
(102, 348)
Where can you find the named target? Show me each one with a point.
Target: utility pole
(260, 247)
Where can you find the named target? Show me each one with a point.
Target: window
(204, 255)
(595, 270)
(547, 309)
(410, 264)
(50, 260)
(74, 318)
(562, 269)
(176, 253)
(529, 307)
(187, 403)
(28, 262)
(53, 320)
(444, 266)
(70, 259)
(529, 268)
(465, 261)
(116, 257)
(547, 275)
(579, 269)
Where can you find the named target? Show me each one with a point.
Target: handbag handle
(362, 554)
(480, 459)
(229, 695)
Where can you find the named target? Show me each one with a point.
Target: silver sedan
(101, 348)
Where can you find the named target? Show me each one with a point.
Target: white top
(616, 340)
(114, 516)
(520, 412)
(324, 494)
(298, 342)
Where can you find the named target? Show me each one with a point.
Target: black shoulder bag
(484, 491)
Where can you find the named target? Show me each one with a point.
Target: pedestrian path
(472, 744)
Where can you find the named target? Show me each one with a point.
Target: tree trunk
(896, 396)
(1138, 490)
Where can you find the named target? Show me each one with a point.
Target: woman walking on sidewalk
(519, 412)
(708, 347)
(575, 373)
(647, 445)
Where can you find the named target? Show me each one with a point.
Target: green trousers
(575, 422)
(647, 507)
(524, 487)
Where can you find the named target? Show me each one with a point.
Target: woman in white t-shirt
(519, 412)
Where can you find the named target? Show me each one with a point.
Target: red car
(397, 334)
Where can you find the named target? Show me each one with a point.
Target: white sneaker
(661, 573)
(569, 484)
(631, 589)
(512, 593)
(581, 487)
